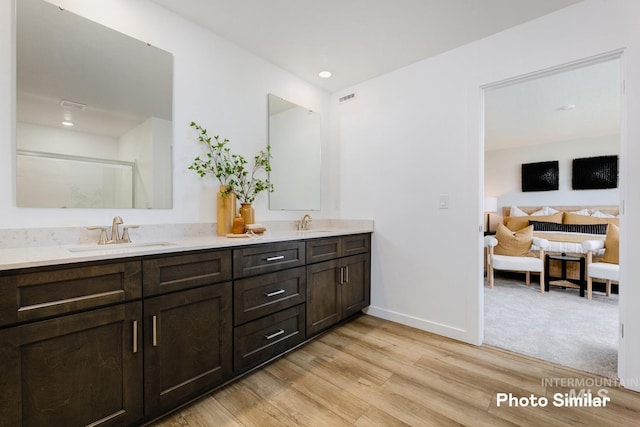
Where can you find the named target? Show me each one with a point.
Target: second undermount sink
(308, 232)
(121, 247)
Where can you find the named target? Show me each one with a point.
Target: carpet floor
(558, 326)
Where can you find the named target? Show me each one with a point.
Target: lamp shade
(490, 204)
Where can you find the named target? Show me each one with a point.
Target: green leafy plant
(247, 184)
(218, 158)
(231, 169)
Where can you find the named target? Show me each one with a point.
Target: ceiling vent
(349, 97)
(72, 105)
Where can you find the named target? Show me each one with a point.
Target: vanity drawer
(262, 339)
(39, 293)
(259, 296)
(328, 248)
(178, 272)
(323, 249)
(268, 258)
(356, 244)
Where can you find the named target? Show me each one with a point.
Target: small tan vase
(247, 213)
(226, 206)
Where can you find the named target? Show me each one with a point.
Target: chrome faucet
(116, 237)
(304, 223)
(115, 233)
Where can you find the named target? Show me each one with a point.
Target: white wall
(502, 173)
(415, 134)
(216, 84)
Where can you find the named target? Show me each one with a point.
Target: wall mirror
(294, 136)
(93, 114)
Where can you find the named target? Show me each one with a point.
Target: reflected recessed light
(324, 74)
(66, 123)
(566, 107)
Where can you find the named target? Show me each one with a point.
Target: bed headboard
(610, 209)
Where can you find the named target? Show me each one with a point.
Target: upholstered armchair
(607, 271)
(530, 257)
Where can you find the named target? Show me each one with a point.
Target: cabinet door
(77, 370)
(187, 345)
(323, 297)
(356, 287)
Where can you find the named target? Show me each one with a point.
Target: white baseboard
(425, 325)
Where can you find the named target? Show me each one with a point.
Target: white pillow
(599, 214)
(584, 212)
(545, 211)
(515, 211)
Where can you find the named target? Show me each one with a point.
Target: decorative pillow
(612, 245)
(571, 218)
(584, 212)
(546, 211)
(513, 243)
(519, 222)
(599, 214)
(515, 211)
(569, 228)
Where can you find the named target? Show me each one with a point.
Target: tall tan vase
(226, 205)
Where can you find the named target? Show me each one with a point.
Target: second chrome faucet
(305, 223)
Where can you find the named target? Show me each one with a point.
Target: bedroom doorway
(566, 113)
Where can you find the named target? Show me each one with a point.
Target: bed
(565, 227)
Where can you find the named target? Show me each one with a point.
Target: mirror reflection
(294, 137)
(94, 114)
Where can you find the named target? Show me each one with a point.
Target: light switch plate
(444, 201)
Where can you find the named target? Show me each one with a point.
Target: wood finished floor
(372, 372)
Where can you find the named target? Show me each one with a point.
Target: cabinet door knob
(275, 334)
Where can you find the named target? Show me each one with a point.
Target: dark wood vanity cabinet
(74, 369)
(338, 288)
(119, 343)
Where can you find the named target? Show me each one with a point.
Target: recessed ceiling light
(66, 123)
(324, 74)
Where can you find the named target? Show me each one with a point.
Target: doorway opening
(560, 115)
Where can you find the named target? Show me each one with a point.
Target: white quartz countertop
(36, 256)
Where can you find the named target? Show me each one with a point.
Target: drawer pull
(275, 334)
(274, 293)
(135, 336)
(275, 258)
(155, 331)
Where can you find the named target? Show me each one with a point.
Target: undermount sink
(307, 232)
(121, 247)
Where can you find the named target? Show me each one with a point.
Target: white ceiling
(535, 111)
(355, 39)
